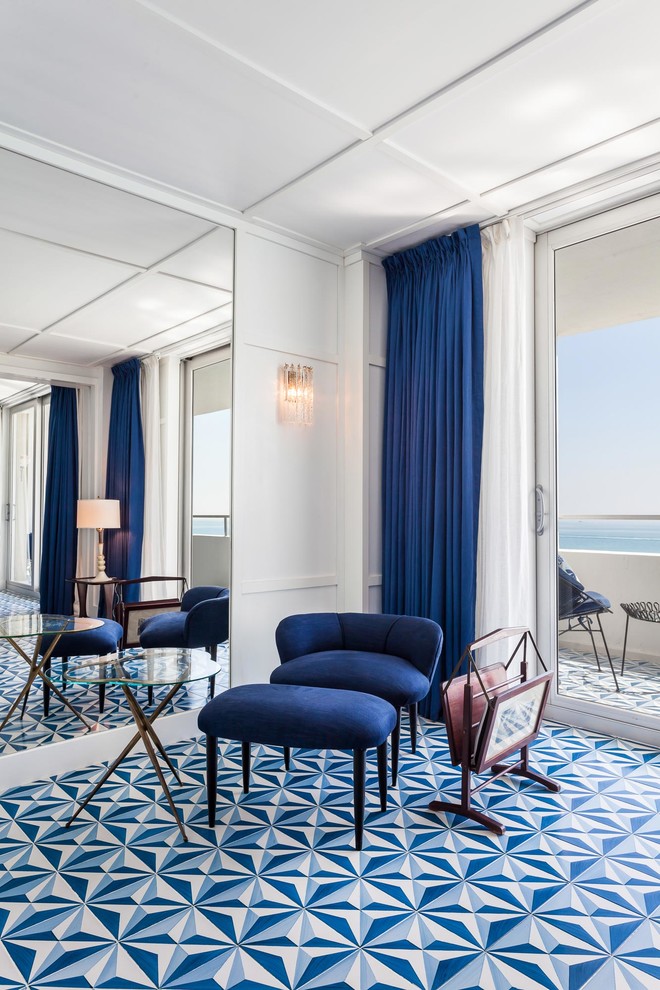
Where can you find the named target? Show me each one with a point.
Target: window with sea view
(608, 418)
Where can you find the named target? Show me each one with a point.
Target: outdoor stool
(292, 715)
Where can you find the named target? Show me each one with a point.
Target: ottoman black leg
(211, 776)
(396, 736)
(101, 698)
(287, 757)
(358, 791)
(412, 714)
(245, 756)
(382, 775)
(150, 694)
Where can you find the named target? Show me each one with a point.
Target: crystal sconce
(297, 394)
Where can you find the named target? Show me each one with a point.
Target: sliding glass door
(207, 498)
(598, 421)
(28, 432)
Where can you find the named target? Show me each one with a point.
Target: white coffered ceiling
(373, 124)
(89, 274)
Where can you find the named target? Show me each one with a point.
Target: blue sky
(608, 391)
(212, 463)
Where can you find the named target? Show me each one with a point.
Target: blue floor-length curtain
(125, 475)
(432, 439)
(59, 545)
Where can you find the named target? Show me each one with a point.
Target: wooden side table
(83, 583)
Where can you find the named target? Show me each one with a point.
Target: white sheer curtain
(506, 585)
(153, 543)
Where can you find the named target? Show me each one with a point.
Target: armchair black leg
(358, 792)
(211, 776)
(65, 667)
(607, 651)
(101, 698)
(287, 757)
(593, 643)
(212, 686)
(412, 715)
(382, 775)
(396, 737)
(245, 759)
(625, 643)
(150, 694)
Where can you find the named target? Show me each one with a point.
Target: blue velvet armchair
(202, 622)
(391, 656)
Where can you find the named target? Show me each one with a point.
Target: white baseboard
(17, 769)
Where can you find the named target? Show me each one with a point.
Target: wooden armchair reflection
(130, 615)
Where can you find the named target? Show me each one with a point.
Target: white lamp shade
(98, 513)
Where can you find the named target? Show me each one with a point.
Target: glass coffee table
(143, 668)
(33, 625)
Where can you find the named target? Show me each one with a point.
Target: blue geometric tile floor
(33, 729)
(579, 677)
(276, 897)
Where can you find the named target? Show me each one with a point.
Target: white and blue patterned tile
(568, 898)
(639, 683)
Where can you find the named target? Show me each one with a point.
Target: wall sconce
(297, 394)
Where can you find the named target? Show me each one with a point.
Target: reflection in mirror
(209, 435)
(608, 409)
(91, 276)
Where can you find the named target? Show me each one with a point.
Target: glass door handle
(540, 510)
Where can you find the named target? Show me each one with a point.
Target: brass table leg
(37, 670)
(147, 734)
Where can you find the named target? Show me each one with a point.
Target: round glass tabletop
(34, 624)
(157, 666)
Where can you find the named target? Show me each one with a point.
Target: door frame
(40, 403)
(224, 352)
(572, 711)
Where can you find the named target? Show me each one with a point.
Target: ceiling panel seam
(411, 227)
(573, 156)
(139, 275)
(274, 82)
(75, 250)
(430, 103)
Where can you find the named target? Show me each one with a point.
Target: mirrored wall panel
(90, 277)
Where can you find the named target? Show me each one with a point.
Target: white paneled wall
(286, 478)
(365, 302)
(377, 326)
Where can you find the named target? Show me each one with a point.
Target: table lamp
(99, 514)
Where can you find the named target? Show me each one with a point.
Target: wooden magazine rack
(490, 714)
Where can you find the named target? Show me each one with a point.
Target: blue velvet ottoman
(292, 715)
(94, 643)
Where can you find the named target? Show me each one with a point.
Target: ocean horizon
(614, 535)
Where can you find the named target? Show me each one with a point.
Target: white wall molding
(321, 356)
(291, 240)
(265, 585)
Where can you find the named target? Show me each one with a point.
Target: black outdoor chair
(579, 608)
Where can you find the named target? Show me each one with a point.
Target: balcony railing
(219, 527)
(626, 568)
